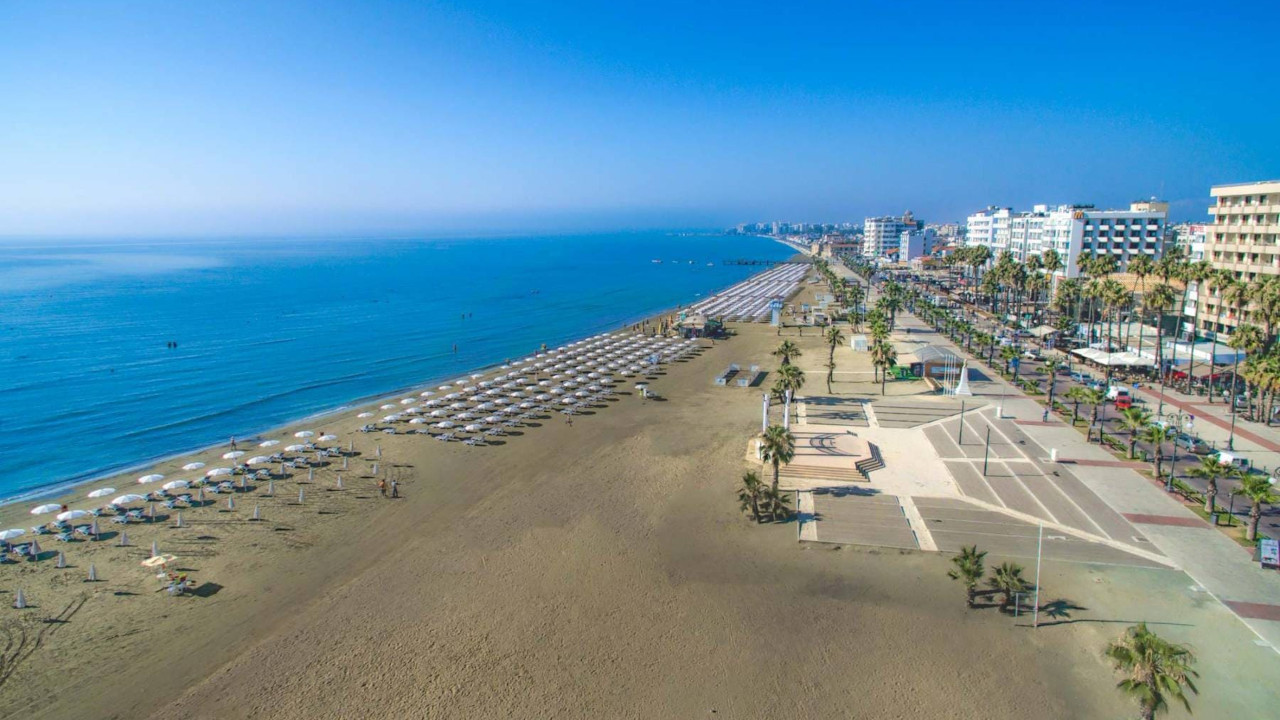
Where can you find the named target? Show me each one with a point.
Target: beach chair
(134, 515)
(226, 486)
(121, 519)
(85, 530)
(63, 537)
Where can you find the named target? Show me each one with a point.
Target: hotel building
(1244, 238)
(1076, 232)
(881, 234)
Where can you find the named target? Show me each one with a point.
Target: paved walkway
(1217, 563)
(1218, 415)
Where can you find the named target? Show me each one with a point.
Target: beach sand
(601, 569)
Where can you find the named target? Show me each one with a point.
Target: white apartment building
(1074, 231)
(916, 244)
(881, 234)
(1243, 237)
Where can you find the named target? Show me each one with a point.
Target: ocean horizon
(118, 354)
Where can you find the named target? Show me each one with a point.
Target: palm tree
(1077, 395)
(1198, 273)
(1007, 354)
(1158, 435)
(1258, 489)
(777, 502)
(1051, 366)
(834, 337)
(777, 447)
(790, 377)
(749, 494)
(1094, 397)
(883, 357)
(1134, 420)
(1153, 668)
(1008, 581)
(1210, 470)
(969, 569)
(787, 350)
(1159, 302)
(1248, 339)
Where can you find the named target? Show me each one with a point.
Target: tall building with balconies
(1075, 232)
(1244, 238)
(881, 234)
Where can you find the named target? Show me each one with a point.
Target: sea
(113, 354)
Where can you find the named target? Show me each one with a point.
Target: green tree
(1154, 670)
(1257, 489)
(1076, 395)
(1134, 420)
(1210, 470)
(1158, 435)
(969, 568)
(1008, 581)
(749, 494)
(777, 447)
(883, 357)
(787, 351)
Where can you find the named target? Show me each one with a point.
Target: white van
(1116, 391)
(1226, 458)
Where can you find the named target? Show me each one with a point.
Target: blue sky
(230, 118)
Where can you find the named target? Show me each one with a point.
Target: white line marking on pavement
(916, 521)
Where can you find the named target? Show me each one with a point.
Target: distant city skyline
(227, 119)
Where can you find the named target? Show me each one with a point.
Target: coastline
(62, 488)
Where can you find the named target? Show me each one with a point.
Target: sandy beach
(594, 569)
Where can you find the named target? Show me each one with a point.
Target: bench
(750, 378)
(724, 377)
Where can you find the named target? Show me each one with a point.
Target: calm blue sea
(273, 331)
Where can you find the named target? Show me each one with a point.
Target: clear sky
(229, 118)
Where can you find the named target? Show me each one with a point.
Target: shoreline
(62, 487)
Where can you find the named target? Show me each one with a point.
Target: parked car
(1233, 460)
(1193, 445)
(1031, 354)
(1115, 392)
(1080, 377)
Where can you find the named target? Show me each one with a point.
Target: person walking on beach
(568, 420)
(395, 489)
(233, 442)
(382, 487)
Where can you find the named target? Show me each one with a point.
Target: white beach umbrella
(7, 535)
(492, 419)
(453, 396)
(390, 418)
(465, 416)
(233, 455)
(365, 415)
(176, 485)
(513, 409)
(545, 383)
(130, 498)
(219, 472)
(527, 406)
(445, 387)
(581, 394)
(439, 413)
(445, 424)
(426, 393)
(45, 509)
(461, 382)
(543, 397)
(150, 478)
(417, 421)
(327, 438)
(72, 515)
(486, 383)
(193, 466)
(493, 392)
(557, 391)
(433, 403)
(458, 406)
(470, 389)
(257, 460)
(101, 492)
(268, 443)
(408, 401)
(304, 434)
(295, 448)
(388, 406)
(473, 428)
(476, 376)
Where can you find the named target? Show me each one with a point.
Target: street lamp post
(1185, 421)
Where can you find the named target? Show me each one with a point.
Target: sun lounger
(120, 519)
(134, 514)
(85, 530)
(63, 537)
(474, 441)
